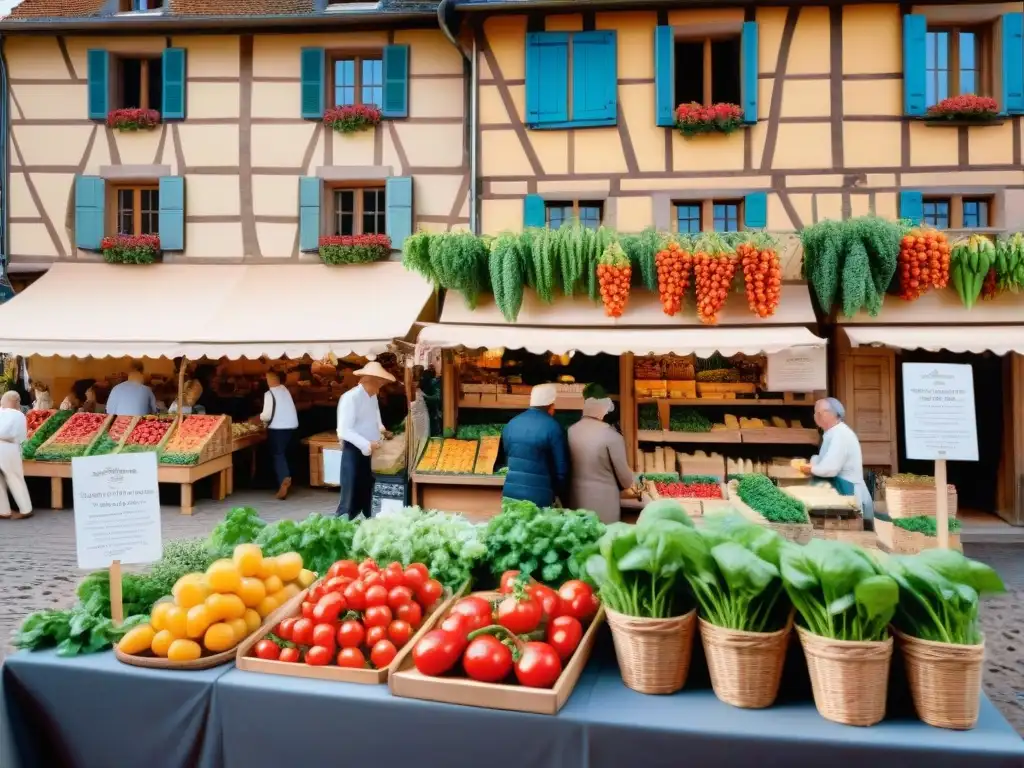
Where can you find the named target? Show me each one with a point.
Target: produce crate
(784, 435)
(487, 455)
(407, 682)
(720, 390)
(431, 455)
(830, 520)
(127, 447)
(457, 456)
(914, 501)
(56, 440)
(35, 419)
(701, 465)
(337, 674)
(317, 444)
(520, 389)
(114, 442)
(824, 498)
(799, 533)
(511, 401)
(650, 387)
(682, 390)
(217, 442)
(469, 401)
(900, 541)
(570, 389)
(389, 459)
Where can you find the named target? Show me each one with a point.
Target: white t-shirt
(284, 414)
(13, 426)
(359, 419)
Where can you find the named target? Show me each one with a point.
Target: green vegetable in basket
(925, 524)
(760, 494)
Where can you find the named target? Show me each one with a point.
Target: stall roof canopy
(167, 310)
(999, 339)
(579, 324)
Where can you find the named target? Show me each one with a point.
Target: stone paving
(39, 571)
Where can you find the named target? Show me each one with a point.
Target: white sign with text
(938, 412)
(117, 509)
(798, 369)
(332, 466)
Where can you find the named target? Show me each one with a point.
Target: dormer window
(140, 6)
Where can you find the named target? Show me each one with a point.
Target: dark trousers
(356, 483)
(278, 441)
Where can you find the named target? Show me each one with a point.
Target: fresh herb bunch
(240, 526)
(449, 545)
(925, 524)
(760, 494)
(458, 261)
(838, 590)
(939, 595)
(322, 540)
(539, 542)
(642, 249)
(180, 557)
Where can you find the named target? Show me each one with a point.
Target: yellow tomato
(219, 637)
(176, 621)
(137, 640)
(184, 650)
(273, 584)
(223, 576)
(231, 607)
(198, 621)
(157, 618)
(267, 606)
(162, 642)
(248, 558)
(252, 620)
(306, 578)
(268, 568)
(190, 590)
(240, 628)
(251, 591)
(289, 566)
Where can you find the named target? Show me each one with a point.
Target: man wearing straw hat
(360, 432)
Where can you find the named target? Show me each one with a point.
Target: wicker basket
(945, 680)
(913, 501)
(745, 667)
(654, 654)
(850, 680)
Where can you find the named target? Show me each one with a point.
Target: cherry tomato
(337, 584)
(539, 666)
(429, 593)
(344, 568)
(564, 635)
(437, 652)
(411, 613)
(302, 632)
(307, 609)
(318, 590)
(352, 658)
(394, 576)
(487, 659)
(399, 596)
(477, 612)
(329, 608)
(323, 634)
(456, 624)
(267, 649)
(416, 576)
(399, 633)
(550, 602)
(578, 599)
(284, 629)
(507, 579)
(376, 595)
(318, 656)
(520, 616)
(355, 596)
(290, 655)
(369, 564)
(374, 635)
(373, 579)
(383, 653)
(377, 616)
(351, 634)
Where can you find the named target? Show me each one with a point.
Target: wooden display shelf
(711, 401)
(715, 437)
(781, 436)
(478, 497)
(561, 404)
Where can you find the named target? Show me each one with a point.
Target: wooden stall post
(941, 501)
(449, 392)
(627, 408)
(116, 604)
(181, 392)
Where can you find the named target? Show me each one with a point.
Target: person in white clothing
(360, 432)
(13, 432)
(840, 461)
(282, 420)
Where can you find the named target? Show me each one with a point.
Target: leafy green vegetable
(647, 417)
(240, 526)
(682, 419)
(925, 524)
(760, 494)
(476, 431)
(82, 629)
(539, 542)
(322, 540)
(838, 590)
(45, 432)
(180, 557)
(661, 477)
(449, 545)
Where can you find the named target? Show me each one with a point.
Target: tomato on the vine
(538, 666)
(564, 635)
(476, 611)
(507, 581)
(487, 659)
(550, 602)
(520, 615)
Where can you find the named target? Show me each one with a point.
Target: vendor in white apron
(840, 461)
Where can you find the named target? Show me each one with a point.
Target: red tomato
(550, 602)
(372, 579)
(323, 634)
(394, 576)
(318, 656)
(307, 609)
(302, 632)
(437, 652)
(329, 608)
(351, 634)
(487, 659)
(476, 610)
(578, 599)
(337, 584)
(520, 616)
(344, 568)
(399, 596)
(456, 624)
(564, 635)
(411, 613)
(539, 666)
(290, 655)
(284, 629)
(383, 653)
(506, 581)
(317, 591)
(352, 658)
(376, 595)
(416, 576)
(369, 564)
(429, 593)
(267, 649)
(399, 633)
(377, 616)
(355, 596)
(374, 635)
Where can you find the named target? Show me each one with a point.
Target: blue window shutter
(533, 211)
(98, 68)
(1013, 64)
(398, 207)
(172, 100)
(912, 206)
(547, 77)
(309, 213)
(396, 81)
(665, 76)
(172, 213)
(749, 70)
(595, 82)
(89, 198)
(312, 70)
(755, 210)
(915, 35)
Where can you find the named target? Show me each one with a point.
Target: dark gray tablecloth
(95, 712)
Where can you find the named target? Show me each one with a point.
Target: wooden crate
(317, 444)
(720, 390)
(53, 439)
(799, 533)
(470, 400)
(217, 443)
(682, 390)
(714, 436)
(650, 387)
(487, 455)
(520, 389)
(914, 501)
(159, 447)
(701, 465)
(902, 542)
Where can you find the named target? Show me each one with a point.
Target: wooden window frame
(118, 80)
(707, 41)
(701, 207)
(127, 6)
(707, 213)
(576, 205)
(357, 56)
(327, 222)
(956, 208)
(983, 57)
(113, 216)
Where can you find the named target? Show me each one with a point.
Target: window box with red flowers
(352, 118)
(126, 120)
(354, 249)
(695, 119)
(964, 110)
(130, 249)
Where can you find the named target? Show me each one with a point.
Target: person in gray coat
(600, 471)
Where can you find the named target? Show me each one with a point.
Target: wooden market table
(478, 497)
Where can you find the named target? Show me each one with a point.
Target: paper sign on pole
(332, 466)
(798, 369)
(938, 410)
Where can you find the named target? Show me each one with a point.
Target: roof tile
(44, 9)
(75, 9)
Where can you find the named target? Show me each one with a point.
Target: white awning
(999, 339)
(167, 310)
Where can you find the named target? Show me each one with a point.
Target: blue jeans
(279, 440)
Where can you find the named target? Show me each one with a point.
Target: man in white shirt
(360, 432)
(840, 460)
(132, 397)
(282, 420)
(13, 432)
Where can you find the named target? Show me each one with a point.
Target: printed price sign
(938, 409)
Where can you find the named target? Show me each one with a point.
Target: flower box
(352, 118)
(695, 119)
(130, 249)
(133, 119)
(963, 110)
(354, 249)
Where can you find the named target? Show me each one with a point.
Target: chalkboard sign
(389, 493)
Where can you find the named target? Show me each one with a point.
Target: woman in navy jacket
(537, 451)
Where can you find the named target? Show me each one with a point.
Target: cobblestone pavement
(39, 571)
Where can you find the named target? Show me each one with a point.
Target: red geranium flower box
(352, 117)
(694, 119)
(354, 249)
(133, 119)
(130, 249)
(967, 107)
